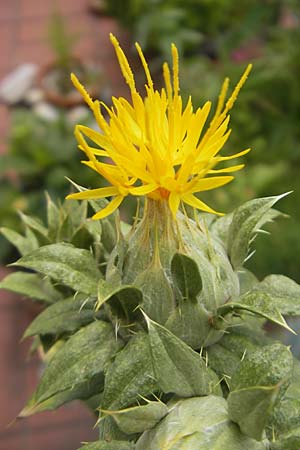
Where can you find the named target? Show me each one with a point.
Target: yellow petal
(96, 137)
(91, 194)
(109, 209)
(206, 184)
(143, 190)
(191, 200)
(236, 155)
(227, 169)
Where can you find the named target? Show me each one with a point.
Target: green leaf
(257, 303)
(53, 218)
(286, 415)
(138, 418)
(158, 298)
(225, 356)
(108, 224)
(186, 276)
(66, 264)
(78, 361)
(36, 225)
(285, 293)
(246, 222)
(197, 423)
(64, 316)
(24, 244)
(219, 282)
(109, 235)
(247, 280)
(289, 441)
(123, 299)
(113, 445)
(244, 337)
(222, 361)
(131, 374)
(83, 391)
(31, 285)
(178, 368)
(220, 227)
(250, 409)
(261, 378)
(190, 323)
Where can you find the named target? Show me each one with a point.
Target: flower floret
(153, 146)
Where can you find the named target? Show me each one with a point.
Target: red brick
(37, 8)
(36, 52)
(7, 44)
(8, 10)
(64, 431)
(31, 29)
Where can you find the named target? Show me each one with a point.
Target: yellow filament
(124, 64)
(175, 69)
(222, 97)
(145, 65)
(82, 91)
(168, 84)
(233, 97)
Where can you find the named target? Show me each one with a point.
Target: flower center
(164, 193)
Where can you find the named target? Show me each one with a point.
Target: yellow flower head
(154, 146)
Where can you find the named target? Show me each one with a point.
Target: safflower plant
(158, 326)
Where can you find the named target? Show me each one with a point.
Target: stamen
(168, 84)
(145, 65)
(82, 91)
(222, 97)
(124, 64)
(175, 69)
(233, 97)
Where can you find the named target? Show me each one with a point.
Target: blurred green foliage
(193, 24)
(41, 154)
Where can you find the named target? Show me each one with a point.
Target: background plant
(40, 154)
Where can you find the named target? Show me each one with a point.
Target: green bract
(158, 328)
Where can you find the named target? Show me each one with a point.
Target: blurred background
(43, 41)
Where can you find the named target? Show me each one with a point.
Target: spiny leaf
(190, 322)
(178, 368)
(186, 275)
(53, 218)
(124, 299)
(66, 264)
(257, 303)
(197, 423)
(261, 378)
(36, 225)
(158, 299)
(108, 224)
(83, 391)
(288, 441)
(24, 244)
(78, 361)
(284, 292)
(31, 285)
(131, 374)
(247, 220)
(138, 418)
(64, 316)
